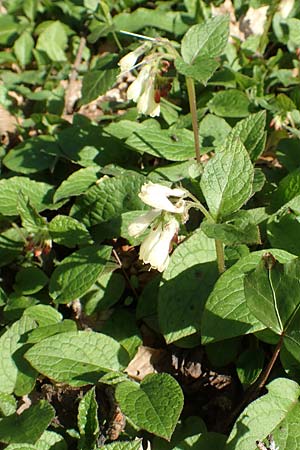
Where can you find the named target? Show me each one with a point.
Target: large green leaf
(275, 413)
(9, 344)
(154, 405)
(40, 194)
(227, 179)
(28, 426)
(251, 132)
(77, 183)
(77, 273)
(226, 313)
(8, 29)
(201, 70)
(53, 41)
(23, 48)
(77, 358)
(68, 231)
(33, 155)
(187, 282)
(88, 423)
(109, 199)
(230, 103)
(160, 143)
(96, 83)
(272, 292)
(205, 39)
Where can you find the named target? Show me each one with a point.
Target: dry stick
(254, 390)
(69, 103)
(125, 274)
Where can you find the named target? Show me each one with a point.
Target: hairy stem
(220, 256)
(193, 108)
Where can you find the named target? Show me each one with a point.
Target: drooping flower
(166, 202)
(128, 61)
(155, 248)
(139, 225)
(138, 85)
(157, 196)
(146, 103)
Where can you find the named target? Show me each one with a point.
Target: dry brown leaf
(285, 7)
(8, 122)
(254, 21)
(144, 361)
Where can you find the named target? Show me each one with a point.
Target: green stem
(119, 45)
(220, 255)
(193, 108)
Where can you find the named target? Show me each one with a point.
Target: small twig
(125, 274)
(69, 102)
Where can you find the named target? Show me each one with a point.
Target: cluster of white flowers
(142, 90)
(164, 221)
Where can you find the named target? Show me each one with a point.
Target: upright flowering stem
(220, 255)
(193, 108)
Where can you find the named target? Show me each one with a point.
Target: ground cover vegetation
(150, 221)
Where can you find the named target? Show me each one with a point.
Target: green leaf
(154, 405)
(9, 344)
(161, 144)
(249, 365)
(65, 230)
(51, 441)
(109, 199)
(124, 445)
(30, 280)
(187, 282)
(122, 326)
(272, 292)
(43, 314)
(88, 423)
(226, 313)
(43, 332)
(96, 83)
(288, 188)
(40, 194)
(201, 69)
(33, 155)
(8, 29)
(273, 413)
(31, 220)
(11, 246)
(205, 39)
(239, 230)
(251, 132)
(227, 179)
(283, 231)
(213, 131)
(77, 183)
(27, 427)
(188, 427)
(8, 404)
(230, 103)
(53, 41)
(104, 294)
(171, 21)
(23, 48)
(77, 273)
(77, 358)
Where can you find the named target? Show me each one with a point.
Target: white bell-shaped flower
(155, 248)
(136, 88)
(128, 61)
(141, 223)
(146, 103)
(157, 196)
